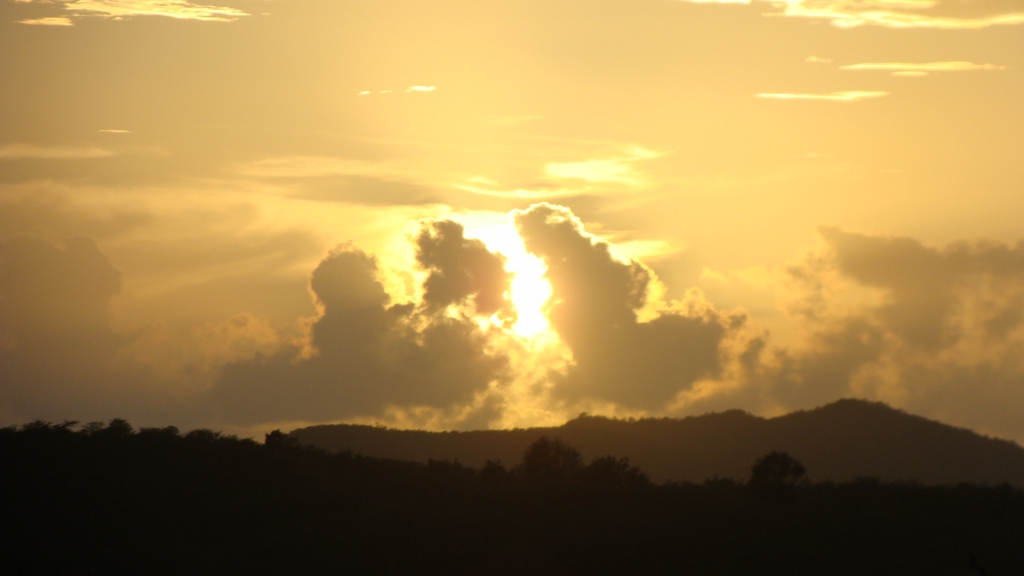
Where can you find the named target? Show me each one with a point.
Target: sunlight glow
(530, 291)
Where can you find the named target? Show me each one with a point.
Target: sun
(529, 290)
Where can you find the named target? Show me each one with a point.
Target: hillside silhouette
(107, 499)
(839, 442)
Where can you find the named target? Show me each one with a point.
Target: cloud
(942, 14)
(116, 131)
(410, 89)
(31, 151)
(595, 308)
(50, 21)
(344, 180)
(461, 270)
(364, 354)
(55, 338)
(617, 170)
(314, 167)
(849, 96)
(523, 193)
(945, 14)
(922, 69)
(816, 60)
(178, 9)
(936, 331)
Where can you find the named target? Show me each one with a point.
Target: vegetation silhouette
(109, 499)
(840, 442)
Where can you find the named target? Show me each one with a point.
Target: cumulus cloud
(55, 339)
(933, 330)
(936, 330)
(595, 308)
(461, 270)
(364, 354)
(848, 96)
(18, 151)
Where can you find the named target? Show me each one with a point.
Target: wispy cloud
(51, 21)
(522, 193)
(848, 96)
(816, 60)
(616, 170)
(897, 13)
(178, 9)
(899, 67)
(31, 151)
(116, 131)
(315, 167)
(945, 14)
(410, 89)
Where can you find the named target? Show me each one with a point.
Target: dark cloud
(364, 353)
(942, 337)
(44, 207)
(55, 340)
(461, 269)
(594, 309)
(928, 288)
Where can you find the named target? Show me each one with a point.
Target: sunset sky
(449, 214)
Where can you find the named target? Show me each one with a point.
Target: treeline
(107, 499)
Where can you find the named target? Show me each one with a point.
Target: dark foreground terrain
(841, 441)
(110, 500)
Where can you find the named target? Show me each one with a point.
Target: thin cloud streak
(117, 9)
(51, 21)
(887, 13)
(956, 66)
(849, 96)
(31, 151)
(618, 170)
(522, 193)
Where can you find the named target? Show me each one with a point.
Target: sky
(448, 214)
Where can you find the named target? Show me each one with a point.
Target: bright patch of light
(530, 290)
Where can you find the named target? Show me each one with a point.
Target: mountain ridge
(841, 441)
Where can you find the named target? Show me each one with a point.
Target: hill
(113, 500)
(841, 441)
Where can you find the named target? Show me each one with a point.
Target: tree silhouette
(279, 440)
(776, 470)
(613, 472)
(550, 461)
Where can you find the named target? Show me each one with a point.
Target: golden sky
(454, 214)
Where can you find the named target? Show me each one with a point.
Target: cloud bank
(934, 330)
